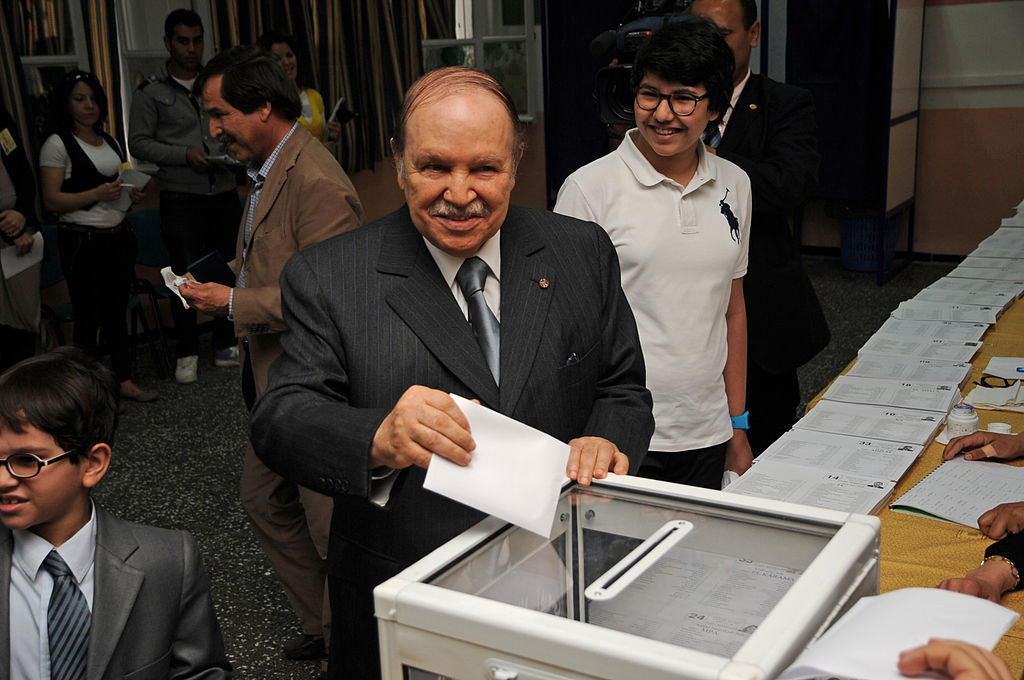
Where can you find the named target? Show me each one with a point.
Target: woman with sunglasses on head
(282, 47)
(679, 217)
(79, 174)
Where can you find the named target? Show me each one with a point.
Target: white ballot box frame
(458, 635)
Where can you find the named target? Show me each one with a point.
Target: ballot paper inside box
(639, 579)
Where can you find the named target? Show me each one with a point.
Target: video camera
(613, 94)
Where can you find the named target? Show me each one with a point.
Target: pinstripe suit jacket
(369, 315)
(152, 617)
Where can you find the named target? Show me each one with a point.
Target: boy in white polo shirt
(679, 217)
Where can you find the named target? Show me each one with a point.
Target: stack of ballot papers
(921, 310)
(911, 369)
(1014, 288)
(910, 426)
(850, 474)
(1000, 300)
(867, 641)
(941, 330)
(887, 392)
(926, 348)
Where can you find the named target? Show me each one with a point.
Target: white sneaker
(185, 370)
(226, 357)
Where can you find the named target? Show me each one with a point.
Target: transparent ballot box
(639, 580)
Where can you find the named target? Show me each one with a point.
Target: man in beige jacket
(299, 196)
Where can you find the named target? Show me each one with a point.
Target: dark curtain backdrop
(367, 52)
(101, 43)
(11, 80)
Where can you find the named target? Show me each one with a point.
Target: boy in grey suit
(122, 598)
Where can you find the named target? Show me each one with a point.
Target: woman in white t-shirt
(79, 174)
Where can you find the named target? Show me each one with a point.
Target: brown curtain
(101, 42)
(13, 97)
(367, 51)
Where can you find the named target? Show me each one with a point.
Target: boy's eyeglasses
(27, 465)
(680, 103)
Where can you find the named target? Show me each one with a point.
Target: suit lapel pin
(753, 107)
(543, 283)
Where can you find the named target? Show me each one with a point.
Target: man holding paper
(456, 292)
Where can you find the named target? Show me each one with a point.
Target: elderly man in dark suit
(382, 324)
(771, 133)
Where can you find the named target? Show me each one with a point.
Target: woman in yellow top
(282, 47)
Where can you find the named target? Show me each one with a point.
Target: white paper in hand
(866, 642)
(516, 473)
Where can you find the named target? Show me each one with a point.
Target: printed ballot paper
(516, 473)
(866, 642)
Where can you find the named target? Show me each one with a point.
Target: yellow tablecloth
(921, 552)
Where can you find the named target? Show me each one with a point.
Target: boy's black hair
(691, 51)
(65, 393)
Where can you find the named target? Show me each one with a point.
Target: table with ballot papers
(872, 441)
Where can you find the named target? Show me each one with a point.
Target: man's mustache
(442, 208)
(226, 139)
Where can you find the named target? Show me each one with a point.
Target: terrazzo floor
(176, 464)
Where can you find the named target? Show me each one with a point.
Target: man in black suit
(380, 331)
(771, 133)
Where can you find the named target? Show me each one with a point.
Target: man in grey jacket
(199, 206)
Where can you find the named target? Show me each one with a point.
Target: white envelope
(516, 473)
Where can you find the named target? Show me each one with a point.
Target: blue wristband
(740, 422)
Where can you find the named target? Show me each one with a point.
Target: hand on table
(422, 422)
(989, 581)
(593, 458)
(957, 660)
(1002, 519)
(983, 444)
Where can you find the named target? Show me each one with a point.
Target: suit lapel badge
(543, 283)
(753, 107)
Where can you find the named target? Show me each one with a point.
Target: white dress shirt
(490, 252)
(30, 590)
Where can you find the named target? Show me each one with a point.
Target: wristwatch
(740, 422)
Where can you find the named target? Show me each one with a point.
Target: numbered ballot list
(698, 600)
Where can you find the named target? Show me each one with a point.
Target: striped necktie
(471, 277)
(67, 622)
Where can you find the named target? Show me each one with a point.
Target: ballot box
(639, 580)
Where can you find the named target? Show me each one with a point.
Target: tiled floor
(177, 461)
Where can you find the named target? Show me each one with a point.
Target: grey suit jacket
(152, 616)
(369, 315)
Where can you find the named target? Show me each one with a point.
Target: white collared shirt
(678, 258)
(30, 590)
(736, 92)
(490, 252)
